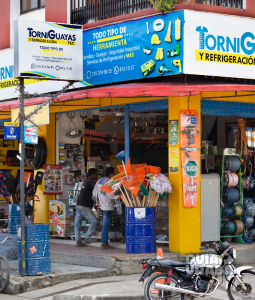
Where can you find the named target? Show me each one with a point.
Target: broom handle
(133, 197)
(138, 201)
(124, 168)
(130, 201)
(143, 201)
(124, 198)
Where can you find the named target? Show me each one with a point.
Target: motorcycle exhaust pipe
(169, 288)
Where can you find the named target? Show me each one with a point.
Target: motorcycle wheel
(235, 290)
(150, 293)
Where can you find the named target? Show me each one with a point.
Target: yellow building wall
(184, 223)
(42, 208)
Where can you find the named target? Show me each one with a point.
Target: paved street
(114, 286)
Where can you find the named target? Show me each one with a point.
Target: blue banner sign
(11, 131)
(144, 48)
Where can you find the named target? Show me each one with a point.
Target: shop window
(27, 5)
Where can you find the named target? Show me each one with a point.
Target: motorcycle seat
(168, 263)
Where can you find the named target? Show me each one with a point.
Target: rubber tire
(230, 283)
(150, 280)
(4, 259)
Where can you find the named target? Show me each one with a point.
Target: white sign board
(219, 45)
(9, 84)
(48, 50)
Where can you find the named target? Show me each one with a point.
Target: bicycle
(4, 270)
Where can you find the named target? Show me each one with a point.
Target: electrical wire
(35, 155)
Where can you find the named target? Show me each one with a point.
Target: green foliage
(163, 5)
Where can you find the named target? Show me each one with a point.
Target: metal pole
(22, 198)
(126, 120)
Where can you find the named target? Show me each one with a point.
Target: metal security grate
(224, 3)
(86, 11)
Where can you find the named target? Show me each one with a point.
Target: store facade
(168, 94)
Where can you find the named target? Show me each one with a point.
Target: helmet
(155, 39)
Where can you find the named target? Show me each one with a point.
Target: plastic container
(37, 249)
(140, 229)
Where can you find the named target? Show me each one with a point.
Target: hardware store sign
(219, 45)
(47, 50)
(144, 48)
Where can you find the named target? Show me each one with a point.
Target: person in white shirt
(106, 203)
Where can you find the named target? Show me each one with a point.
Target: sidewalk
(114, 287)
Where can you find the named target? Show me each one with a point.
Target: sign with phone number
(144, 48)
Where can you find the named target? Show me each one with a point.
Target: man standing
(106, 202)
(84, 209)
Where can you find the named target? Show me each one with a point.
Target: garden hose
(35, 155)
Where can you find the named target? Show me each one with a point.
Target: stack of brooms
(137, 185)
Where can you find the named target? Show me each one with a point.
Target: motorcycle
(198, 277)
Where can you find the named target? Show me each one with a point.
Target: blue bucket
(37, 249)
(140, 229)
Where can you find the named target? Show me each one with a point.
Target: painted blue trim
(225, 108)
(149, 106)
(126, 124)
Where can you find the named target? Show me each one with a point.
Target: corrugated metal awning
(226, 108)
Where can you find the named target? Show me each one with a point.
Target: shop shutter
(226, 108)
(149, 106)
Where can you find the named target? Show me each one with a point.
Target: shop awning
(139, 89)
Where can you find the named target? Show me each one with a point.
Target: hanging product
(232, 163)
(248, 182)
(250, 208)
(190, 146)
(230, 179)
(73, 133)
(35, 155)
(249, 221)
(230, 195)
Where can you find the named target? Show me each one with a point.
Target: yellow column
(184, 223)
(42, 207)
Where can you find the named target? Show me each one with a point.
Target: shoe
(79, 243)
(90, 240)
(106, 247)
(123, 241)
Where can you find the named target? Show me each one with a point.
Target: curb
(18, 285)
(106, 297)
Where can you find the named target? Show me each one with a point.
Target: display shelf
(13, 168)
(9, 148)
